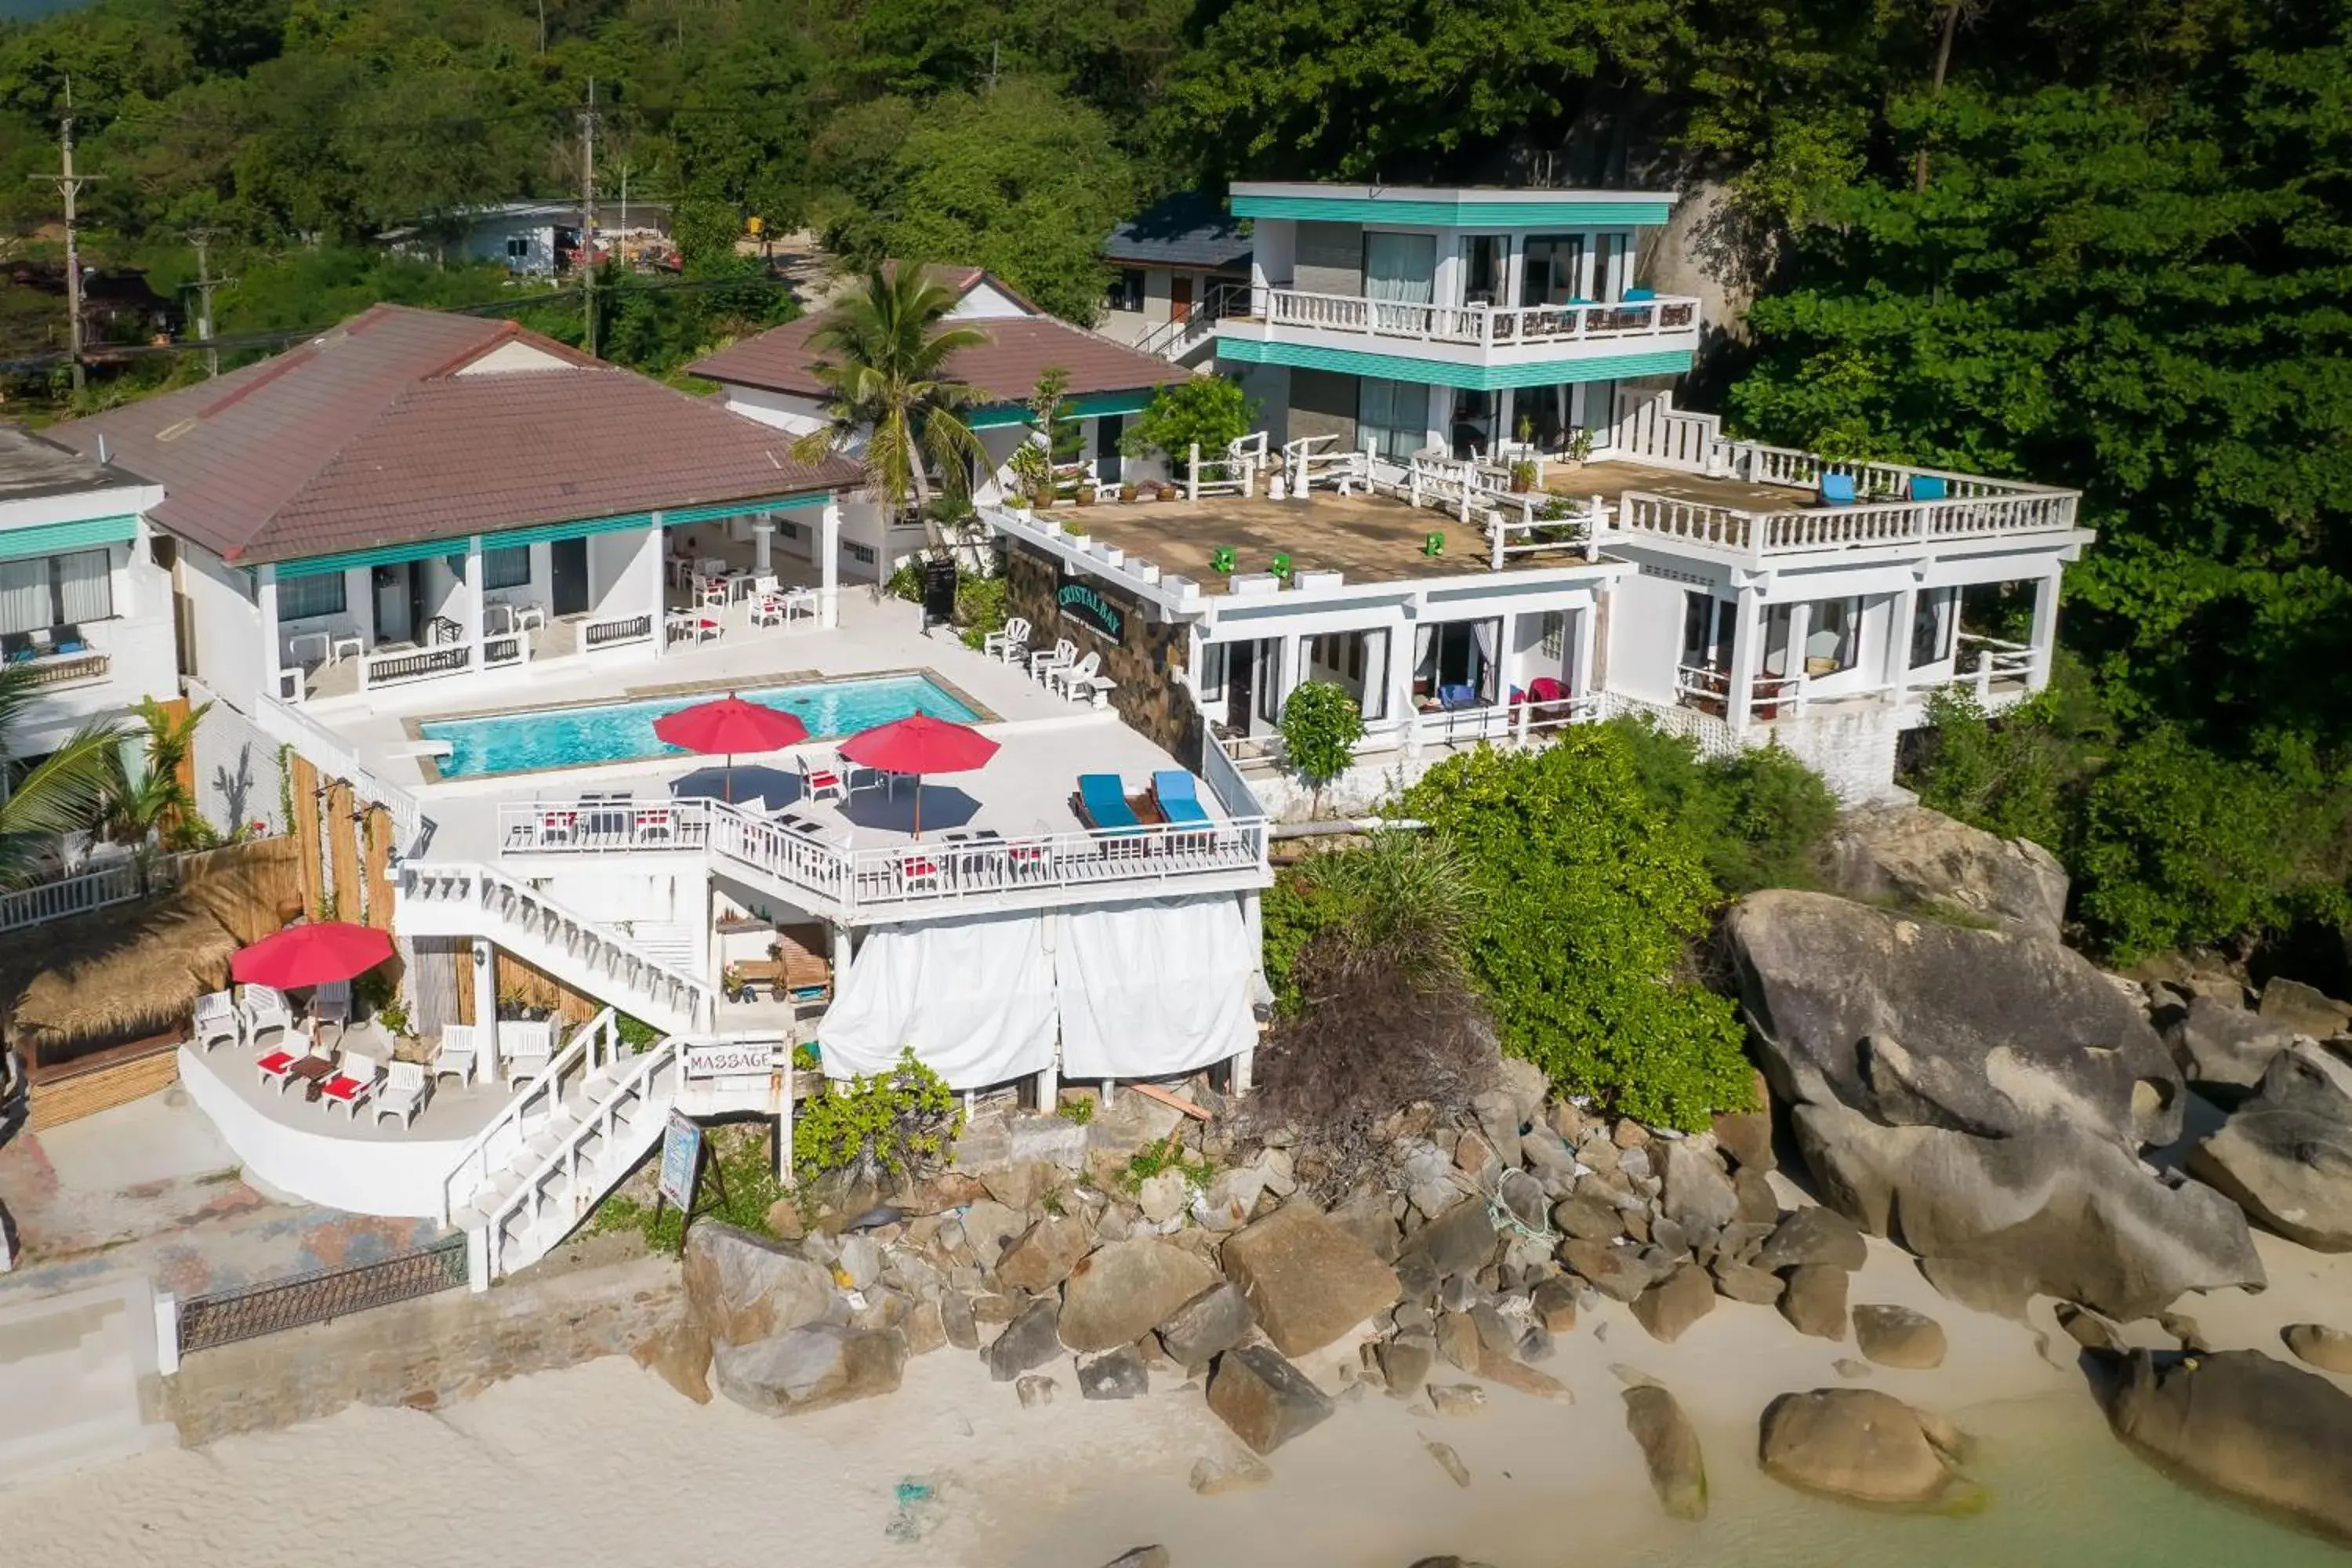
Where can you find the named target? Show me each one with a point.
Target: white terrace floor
(1047, 741)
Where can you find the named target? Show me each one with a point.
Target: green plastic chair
(1221, 558)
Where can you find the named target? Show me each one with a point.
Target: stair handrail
(703, 1012)
(604, 1026)
(664, 1049)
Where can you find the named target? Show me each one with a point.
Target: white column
(828, 551)
(763, 539)
(1801, 627)
(652, 562)
(265, 599)
(1746, 647)
(1902, 610)
(477, 591)
(486, 1007)
(2044, 637)
(1580, 677)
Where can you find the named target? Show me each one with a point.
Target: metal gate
(228, 1316)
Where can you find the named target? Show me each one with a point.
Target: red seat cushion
(340, 1088)
(278, 1061)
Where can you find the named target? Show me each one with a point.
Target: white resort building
(440, 578)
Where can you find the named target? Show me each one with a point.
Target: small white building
(1174, 268)
(85, 589)
(530, 240)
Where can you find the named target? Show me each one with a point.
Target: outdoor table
(313, 1072)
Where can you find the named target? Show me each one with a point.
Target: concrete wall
(1143, 663)
(1330, 258)
(1646, 635)
(238, 774)
(1322, 403)
(433, 1351)
(228, 641)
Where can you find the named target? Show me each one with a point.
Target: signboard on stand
(681, 1160)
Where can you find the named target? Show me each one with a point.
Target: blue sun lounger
(1178, 802)
(1101, 803)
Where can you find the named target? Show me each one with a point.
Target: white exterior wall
(238, 775)
(617, 573)
(780, 410)
(227, 625)
(142, 660)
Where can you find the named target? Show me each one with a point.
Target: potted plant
(1127, 493)
(1083, 494)
(1579, 448)
(1523, 475)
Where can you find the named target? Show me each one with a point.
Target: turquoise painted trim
(1441, 373)
(1632, 212)
(545, 533)
(1087, 406)
(57, 538)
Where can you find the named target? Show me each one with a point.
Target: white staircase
(565, 1140)
(640, 977)
(665, 942)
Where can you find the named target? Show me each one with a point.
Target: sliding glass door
(1393, 416)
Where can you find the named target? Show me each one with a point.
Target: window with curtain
(1931, 626)
(301, 598)
(1484, 258)
(1456, 654)
(1212, 671)
(1392, 415)
(1401, 266)
(56, 591)
(1355, 661)
(1834, 641)
(507, 568)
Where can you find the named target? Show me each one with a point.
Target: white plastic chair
(331, 1004)
(1066, 679)
(459, 1053)
(822, 780)
(769, 612)
(353, 1085)
(265, 1007)
(216, 1020)
(528, 1047)
(1042, 665)
(1010, 644)
(405, 1090)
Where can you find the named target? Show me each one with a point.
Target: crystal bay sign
(1083, 604)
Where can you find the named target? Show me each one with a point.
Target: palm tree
(159, 803)
(59, 794)
(884, 367)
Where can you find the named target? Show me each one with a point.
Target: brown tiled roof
(366, 437)
(1005, 368)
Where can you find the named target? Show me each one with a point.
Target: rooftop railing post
(1192, 473)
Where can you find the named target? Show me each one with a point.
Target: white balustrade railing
(594, 1046)
(1755, 534)
(1477, 326)
(328, 752)
(82, 892)
(571, 1156)
(888, 876)
(414, 664)
(615, 630)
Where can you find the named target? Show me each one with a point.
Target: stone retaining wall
(1146, 694)
(428, 1352)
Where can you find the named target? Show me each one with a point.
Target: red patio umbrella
(729, 725)
(311, 955)
(919, 744)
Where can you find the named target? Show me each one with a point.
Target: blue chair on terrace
(1178, 801)
(1640, 296)
(1837, 489)
(1928, 487)
(1450, 697)
(1101, 803)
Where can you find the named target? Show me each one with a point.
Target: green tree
(1208, 411)
(1757, 819)
(1321, 722)
(884, 364)
(47, 797)
(1588, 908)
(156, 801)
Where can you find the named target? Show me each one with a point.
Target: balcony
(1480, 344)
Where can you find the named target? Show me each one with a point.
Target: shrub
(1321, 722)
(895, 1125)
(1167, 1155)
(2020, 775)
(1078, 1112)
(1757, 820)
(1209, 410)
(1587, 908)
(1376, 1010)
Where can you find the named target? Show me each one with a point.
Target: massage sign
(1082, 604)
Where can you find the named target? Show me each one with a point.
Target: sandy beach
(604, 1464)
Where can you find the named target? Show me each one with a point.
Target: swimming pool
(623, 731)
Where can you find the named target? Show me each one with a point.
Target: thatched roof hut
(78, 986)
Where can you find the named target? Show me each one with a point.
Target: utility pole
(587, 259)
(70, 185)
(202, 239)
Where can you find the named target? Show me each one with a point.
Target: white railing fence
(592, 1046)
(328, 752)
(84, 892)
(1477, 326)
(863, 881)
(615, 630)
(1651, 429)
(585, 1174)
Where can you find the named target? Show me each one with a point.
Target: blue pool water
(623, 731)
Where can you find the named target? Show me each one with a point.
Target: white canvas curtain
(84, 588)
(1155, 989)
(1400, 268)
(25, 594)
(973, 997)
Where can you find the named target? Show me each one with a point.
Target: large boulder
(1123, 1291)
(1207, 1326)
(741, 1288)
(809, 1367)
(1670, 1448)
(1864, 1447)
(2286, 1154)
(1307, 1280)
(1918, 1023)
(1981, 1097)
(2055, 1211)
(2328, 1349)
(1044, 1254)
(2245, 1425)
(1910, 854)
(1265, 1399)
(2305, 1009)
(2222, 1049)
(1459, 1241)
(1699, 1194)
(1897, 1336)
